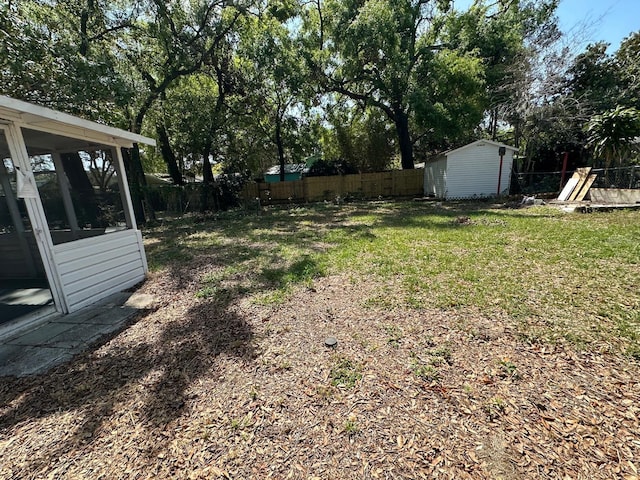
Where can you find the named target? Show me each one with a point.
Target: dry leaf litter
(229, 388)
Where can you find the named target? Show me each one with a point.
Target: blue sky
(608, 20)
(605, 20)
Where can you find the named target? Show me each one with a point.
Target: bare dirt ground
(229, 388)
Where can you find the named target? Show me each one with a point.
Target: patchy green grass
(508, 369)
(351, 427)
(494, 408)
(394, 335)
(558, 276)
(345, 373)
(426, 372)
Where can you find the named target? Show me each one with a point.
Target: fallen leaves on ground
(229, 388)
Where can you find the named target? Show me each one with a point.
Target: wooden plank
(615, 196)
(583, 174)
(317, 188)
(569, 187)
(396, 183)
(585, 187)
(352, 184)
(250, 192)
(408, 182)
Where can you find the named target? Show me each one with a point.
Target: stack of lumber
(578, 185)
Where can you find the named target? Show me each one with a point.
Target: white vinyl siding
(93, 268)
(473, 172)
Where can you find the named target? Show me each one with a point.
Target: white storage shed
(476, 170)
(68, 235)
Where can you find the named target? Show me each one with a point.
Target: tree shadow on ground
(255, 242)
(446, 215)
(186, 349)
(239, 235)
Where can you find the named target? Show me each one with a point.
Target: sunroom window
(79, 186)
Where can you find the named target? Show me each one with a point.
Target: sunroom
(68, 235)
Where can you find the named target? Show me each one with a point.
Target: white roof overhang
(480, 143)
(54, 122)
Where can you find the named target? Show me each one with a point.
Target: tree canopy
(388, 55)
(613, 135)
(241, 85)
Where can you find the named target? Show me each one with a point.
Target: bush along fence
(394, 183)
(194, 197)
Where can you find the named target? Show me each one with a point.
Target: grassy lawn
(557, 276)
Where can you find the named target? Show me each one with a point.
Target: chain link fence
(550, 182)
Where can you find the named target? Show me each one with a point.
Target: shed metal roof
(481, 142)
(288, 168)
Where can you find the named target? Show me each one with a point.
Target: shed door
(26, 268)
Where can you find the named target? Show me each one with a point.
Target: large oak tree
(388, 55)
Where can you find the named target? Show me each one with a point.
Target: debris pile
(580, 185)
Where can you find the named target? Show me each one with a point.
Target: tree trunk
(168, 155)
(82, 188)
(135, 184)
(401, 121)
(207, 172)
(494, 124)
(280, 147)
(207, 179)
(84, 23)
(137, 181)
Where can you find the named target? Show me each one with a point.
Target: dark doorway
(19, 298)
(24, 289)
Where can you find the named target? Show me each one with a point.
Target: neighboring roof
(288, 168)
(42, 118)
(312, 159)
(479, 143)
(157, 179)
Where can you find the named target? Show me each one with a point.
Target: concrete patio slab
(84, 334)
(8, 353)
(33, 360)
(40, 336)
(59, 339)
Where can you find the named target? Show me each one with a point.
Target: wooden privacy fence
(394, 183)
